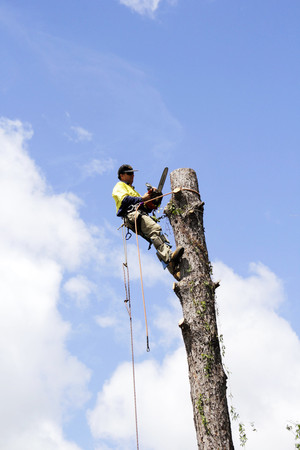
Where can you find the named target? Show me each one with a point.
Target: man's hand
(149, 194)
(146, 196)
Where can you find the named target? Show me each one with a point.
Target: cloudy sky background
(83, 89)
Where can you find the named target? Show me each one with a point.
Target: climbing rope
(127, 302)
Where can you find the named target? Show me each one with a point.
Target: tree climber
(127, 201)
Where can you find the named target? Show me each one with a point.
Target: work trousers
(151, 230)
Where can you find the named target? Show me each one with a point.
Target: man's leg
(151, 230)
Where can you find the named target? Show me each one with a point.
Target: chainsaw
(156, 192)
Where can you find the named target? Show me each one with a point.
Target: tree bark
(196, 292)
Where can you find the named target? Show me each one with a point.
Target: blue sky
(84, 88)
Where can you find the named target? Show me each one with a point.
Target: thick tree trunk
(196, 292)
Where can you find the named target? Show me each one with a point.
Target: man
(127, 201)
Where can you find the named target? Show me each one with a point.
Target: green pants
(151, 230)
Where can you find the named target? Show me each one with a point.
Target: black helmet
(125, 168)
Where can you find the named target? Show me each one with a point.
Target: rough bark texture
(196, 292)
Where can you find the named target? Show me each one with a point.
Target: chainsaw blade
(162, 179)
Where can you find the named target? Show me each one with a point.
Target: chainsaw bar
(162, 179)
(155, 203)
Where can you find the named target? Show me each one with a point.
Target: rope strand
(128, 308)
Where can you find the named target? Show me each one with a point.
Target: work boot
(176, 275)
(174, 261)
(174, 271)
(176, 256)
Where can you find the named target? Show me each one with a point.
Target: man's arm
(129, 201)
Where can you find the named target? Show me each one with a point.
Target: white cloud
(41, 237)
(262, 352)
(165, 417)
(144, 7)
(106, 321)
(79, 288)
(32, 219)
(98, 167)
(80, 134)
(44, 435)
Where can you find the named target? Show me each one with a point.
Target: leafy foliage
(295, 429)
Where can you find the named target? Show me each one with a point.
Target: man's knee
(149, 227)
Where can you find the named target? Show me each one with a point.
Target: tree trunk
(196, 292)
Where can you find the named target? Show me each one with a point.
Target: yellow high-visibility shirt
(121, 190)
